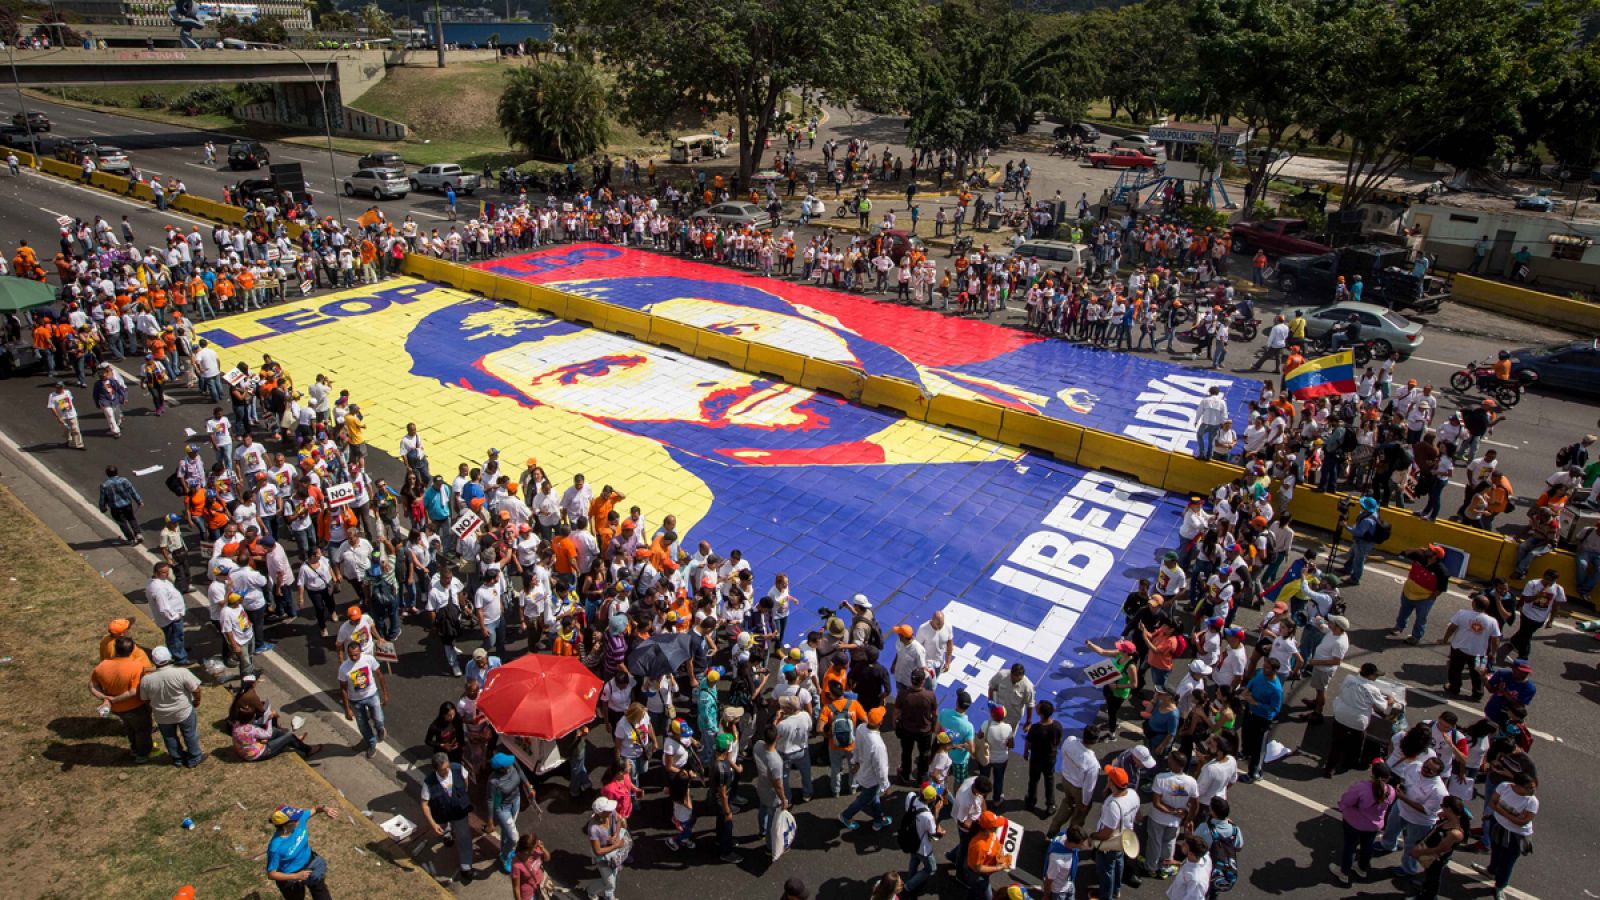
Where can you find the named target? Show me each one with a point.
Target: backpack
(906, 835)
(1224, 857)
(842, 727)
(1381, 532)
(1350, 441)
(1566, 454)
(874, 635)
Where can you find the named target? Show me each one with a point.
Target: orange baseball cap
(354, 613)
(119, 626)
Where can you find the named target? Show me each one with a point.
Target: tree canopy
(555, 109)
(678, 62)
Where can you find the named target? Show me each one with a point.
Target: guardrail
(1526, 303)
(1489, 554)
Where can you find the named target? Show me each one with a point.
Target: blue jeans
(799, 760)
(1393, 830)
(494, 638)
(1108, 864)
(183, 741)
(1357, 563)
(1528, 551)
(997, 772)
(369, 718)
(838, 770)
(173, 632)
(385, 609)
(921, 870)
(505, 815)
(1588, 571)
(1205, 440)
(1407, 607)
(868, 797)
(578, 770)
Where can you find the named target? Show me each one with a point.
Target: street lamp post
(327, 123)
(27, 124)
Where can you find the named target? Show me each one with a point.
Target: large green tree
(1258, 56)
(1438, 78)
(679, 61)
(555, 109)
(968, 96)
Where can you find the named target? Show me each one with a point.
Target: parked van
(698, 146)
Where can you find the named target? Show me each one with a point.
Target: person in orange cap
(869, 765)
(1426, 580)
(1117, 816)
(117, 628)
(985, 853)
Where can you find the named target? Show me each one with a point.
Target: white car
(735, 213)
(1139, 142)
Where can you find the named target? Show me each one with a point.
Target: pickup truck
(1278, 237)
(436, 176)
(1385, 273)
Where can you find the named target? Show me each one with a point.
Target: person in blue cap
(291, 863)
(508, 791)
(1362, 539)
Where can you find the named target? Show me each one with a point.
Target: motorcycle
(1482, 378)
(961, 245)
(1067, 149)
(1362, 352)
(1243, 329)
(843, 210)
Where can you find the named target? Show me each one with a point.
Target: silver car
(1386, 329)
(735, 213)
(377, 183)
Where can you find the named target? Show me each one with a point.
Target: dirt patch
(90, 824)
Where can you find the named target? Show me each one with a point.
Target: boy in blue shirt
(291, 862)
(1061, 864)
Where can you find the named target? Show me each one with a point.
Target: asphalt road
(1290, 838)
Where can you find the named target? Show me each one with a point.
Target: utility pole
(438, 31)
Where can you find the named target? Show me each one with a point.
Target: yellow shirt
(355, 430)
(1297, 327)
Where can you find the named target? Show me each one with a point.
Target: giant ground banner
(1027, 556)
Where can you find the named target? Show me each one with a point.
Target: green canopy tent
(17, 294)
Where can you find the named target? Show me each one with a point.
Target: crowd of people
(758, 709)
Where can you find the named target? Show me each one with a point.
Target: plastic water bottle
(188, 824)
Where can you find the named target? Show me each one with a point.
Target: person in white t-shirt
(938, 644)
(358, 627)
(1174, 797)
(1192, 881)
(1540, 597)
(1512, 808)
(1117, 814)
(1221, 769)
(997, 734)
(1474, 639)
(1416, 810)
(364, 692)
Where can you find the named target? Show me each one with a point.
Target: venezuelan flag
(1287, 587)
(1322, 377)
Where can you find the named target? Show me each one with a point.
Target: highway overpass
(353, 70)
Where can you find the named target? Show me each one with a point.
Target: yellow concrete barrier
(630, 322)
(512, 291)
(1317, 509)
(1119, 454)
(976, 416)
(551, 301)
(895, 394)
(1525, 303)
(672, 334)
(418, 265)
(61, 169)
(1485, 549)
(820, 375)
(784, 365)
(726, 349)
(1041, 434)
(586, 311)
(108, 182)
(1185, 474)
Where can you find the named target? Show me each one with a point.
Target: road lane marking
(1322, 809)
(321, 695)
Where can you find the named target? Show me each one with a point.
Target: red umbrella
(540, 696)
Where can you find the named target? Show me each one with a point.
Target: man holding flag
(1325, 376)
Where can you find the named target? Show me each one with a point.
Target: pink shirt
(621, 791)
(1361, 810)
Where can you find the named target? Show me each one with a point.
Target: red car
(1122, 158)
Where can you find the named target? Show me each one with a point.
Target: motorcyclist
(1345, 333)
(1502, 368)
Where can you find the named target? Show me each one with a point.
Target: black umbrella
(658, 655)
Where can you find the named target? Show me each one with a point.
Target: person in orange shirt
(985, 855)
(44, 342)
(660, 552)
(115, 683)
(117, 628)
(600, 508)
(565, 561)
(225, 291)
(841, 737)
(247, 289)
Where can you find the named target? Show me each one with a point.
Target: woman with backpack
(1223, 841)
